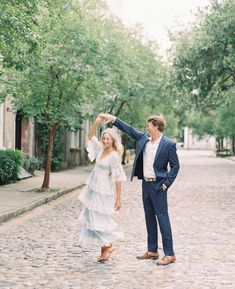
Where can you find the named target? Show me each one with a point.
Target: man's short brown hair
(158, 121)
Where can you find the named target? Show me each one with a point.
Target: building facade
(18, 132)
(193, 142)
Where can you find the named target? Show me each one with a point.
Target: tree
(17, 36)
(134, 77)
(54, 84)
(216, 122)
(203, 70)
(204, 56)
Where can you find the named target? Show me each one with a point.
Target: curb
(15, 213)
(230, 159)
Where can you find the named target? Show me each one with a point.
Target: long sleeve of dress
(93, 147)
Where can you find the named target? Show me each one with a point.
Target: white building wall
(192, 142)
(9, 125)
(32, 138)
(1, 124)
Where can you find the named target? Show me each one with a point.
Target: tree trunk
(222, 144)
(46, 181)
(217, 144)
(124, 143)
(233, 145)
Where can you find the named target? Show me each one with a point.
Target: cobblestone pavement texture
(40, 249)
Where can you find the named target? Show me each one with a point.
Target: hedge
(10, 162)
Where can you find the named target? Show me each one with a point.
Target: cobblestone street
(40, 249)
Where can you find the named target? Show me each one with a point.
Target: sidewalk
(232, 158)
(20, 197)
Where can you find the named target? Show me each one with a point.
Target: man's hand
(107, 117)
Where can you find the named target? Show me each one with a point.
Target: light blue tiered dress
(98, 197)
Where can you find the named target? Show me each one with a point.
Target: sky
(156, 16)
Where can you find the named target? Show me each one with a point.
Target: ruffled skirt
(98, 200)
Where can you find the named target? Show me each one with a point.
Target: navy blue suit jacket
(165, 155)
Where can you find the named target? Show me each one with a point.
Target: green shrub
(223, 153)
(30, 164)
(10, 162)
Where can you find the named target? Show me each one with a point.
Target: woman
(102, 194)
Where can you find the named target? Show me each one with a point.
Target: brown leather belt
(148, 180)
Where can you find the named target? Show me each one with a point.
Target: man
(154, 152)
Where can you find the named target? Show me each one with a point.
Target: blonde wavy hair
(117, 144)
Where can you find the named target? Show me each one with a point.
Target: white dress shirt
(149, 156)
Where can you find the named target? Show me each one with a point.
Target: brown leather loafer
(166, 260)
(148, 255)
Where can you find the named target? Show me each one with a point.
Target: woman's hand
(99, 119)
(117, 205)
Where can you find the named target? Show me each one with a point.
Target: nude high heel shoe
(106, 252)
(101, 253)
